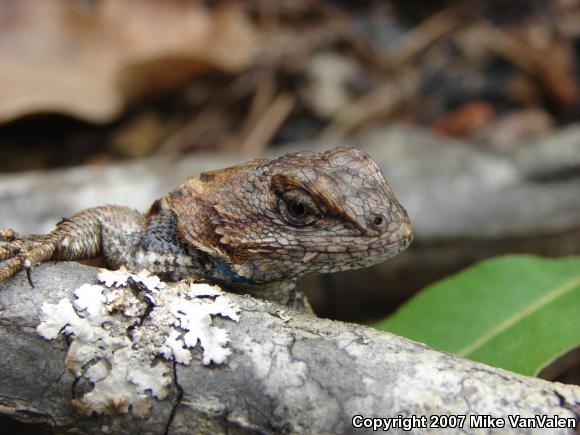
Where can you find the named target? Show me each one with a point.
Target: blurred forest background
(470, 107)
(90, 81)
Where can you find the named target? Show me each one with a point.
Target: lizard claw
(22, 253)
(29, 275)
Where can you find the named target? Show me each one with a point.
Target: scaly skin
(254, 228)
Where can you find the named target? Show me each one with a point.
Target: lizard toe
(7, 234)
(10, 267)
(8, 250)
(23, 254)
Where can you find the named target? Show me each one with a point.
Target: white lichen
(119, 278)
(201, 290)
(114, 278)
(126, 367)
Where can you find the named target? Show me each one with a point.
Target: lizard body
(254, 228)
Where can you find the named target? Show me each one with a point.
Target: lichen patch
(122, 340)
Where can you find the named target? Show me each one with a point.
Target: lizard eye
(297, 208)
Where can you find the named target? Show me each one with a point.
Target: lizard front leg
(109, 230)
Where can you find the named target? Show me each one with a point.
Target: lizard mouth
(391, 249)
(355, 259)
(378, 248)
(358, 261)
(402, 244)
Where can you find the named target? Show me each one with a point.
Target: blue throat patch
(233, 276)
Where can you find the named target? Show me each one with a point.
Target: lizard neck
(164, 238)
(286, 292)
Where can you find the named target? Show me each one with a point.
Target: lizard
(255, 228)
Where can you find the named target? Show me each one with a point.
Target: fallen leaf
(89, 59)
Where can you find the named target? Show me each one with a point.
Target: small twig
(382, 101)
(549, 68)
(263, 96)
(422, 37)
(271, 119)
(404, 82)
(193, 131)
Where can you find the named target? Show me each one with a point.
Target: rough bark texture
(288, 373)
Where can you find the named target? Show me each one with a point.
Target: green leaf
(516, 312)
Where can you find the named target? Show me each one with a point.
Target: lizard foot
(22, 252)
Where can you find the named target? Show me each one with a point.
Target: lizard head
(302, 213)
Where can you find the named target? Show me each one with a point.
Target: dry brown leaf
(88, 59)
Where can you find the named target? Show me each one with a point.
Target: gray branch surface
(288, 373)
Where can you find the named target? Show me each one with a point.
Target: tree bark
(288, 373)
